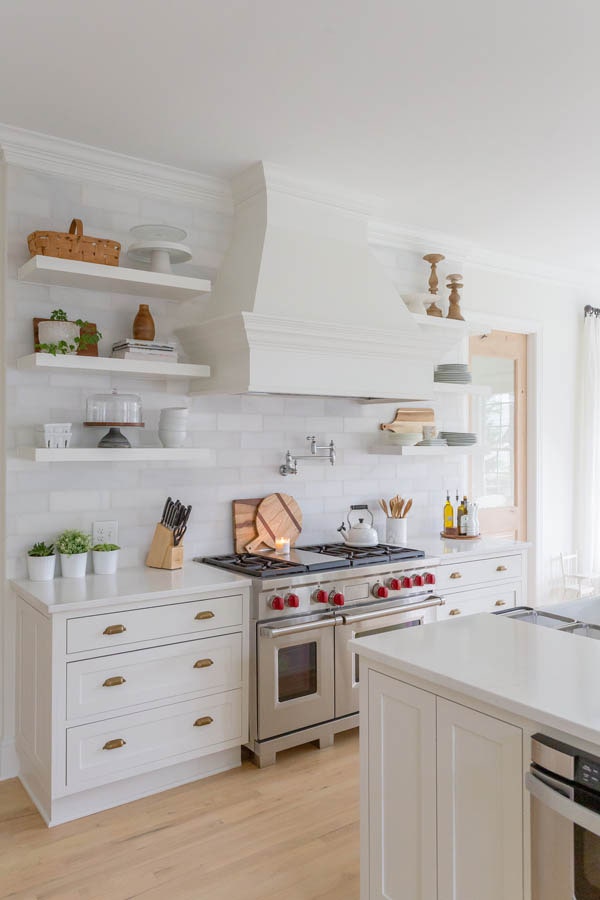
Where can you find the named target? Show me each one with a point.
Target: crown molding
(69, 159)
(419, 240)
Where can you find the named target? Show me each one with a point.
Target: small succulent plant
(41, 549)
(73, 541)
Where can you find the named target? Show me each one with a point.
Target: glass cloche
(114, 409)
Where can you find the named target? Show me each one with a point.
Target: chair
(583, 583)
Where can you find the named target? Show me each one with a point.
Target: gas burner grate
(362, 556)
(252, 564)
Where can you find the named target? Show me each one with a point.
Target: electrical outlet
(105, 533)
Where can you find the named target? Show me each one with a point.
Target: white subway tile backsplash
(247, 434)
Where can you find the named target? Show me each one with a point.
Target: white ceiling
(478, 118)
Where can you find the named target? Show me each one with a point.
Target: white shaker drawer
(110, 684)
(488, 599)
(478, 571)
(123, 746)
(152, 623)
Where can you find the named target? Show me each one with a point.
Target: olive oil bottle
(448, 513)
(461, 516)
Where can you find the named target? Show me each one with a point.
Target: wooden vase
(143, 324)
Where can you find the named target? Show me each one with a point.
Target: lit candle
(282, 545)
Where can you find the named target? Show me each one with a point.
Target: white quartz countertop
(455, 550)
(538, 673)
(126, 586)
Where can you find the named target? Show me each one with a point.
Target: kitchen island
(447, 716)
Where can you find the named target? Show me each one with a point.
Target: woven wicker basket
(74, 245)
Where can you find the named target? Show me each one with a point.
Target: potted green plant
(57, 335)
(73, 546)
(41, 561)
(105, 558)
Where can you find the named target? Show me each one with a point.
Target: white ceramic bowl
(172, 437)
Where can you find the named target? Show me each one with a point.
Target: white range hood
(300, 305)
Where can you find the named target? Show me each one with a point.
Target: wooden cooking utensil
(384, 506)
(406, 509)
(277, 516)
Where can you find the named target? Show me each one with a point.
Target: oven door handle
(393, 611)
(271, 631)
(552, 794)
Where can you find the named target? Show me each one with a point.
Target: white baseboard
(9, 761)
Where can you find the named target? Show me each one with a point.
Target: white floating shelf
(199, 456)
(74, 363)
(475, 390)
(390, 450)
(95, 277)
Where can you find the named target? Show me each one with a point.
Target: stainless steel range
(305, 607)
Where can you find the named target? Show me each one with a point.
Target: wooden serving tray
(460, 537)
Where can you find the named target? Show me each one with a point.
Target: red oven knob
(277, 603)
(380, 592)
(407, 582)
(293, 600)
(429, 578)
(336, 598)
(320, 596)
(394, 584)
(418, 580)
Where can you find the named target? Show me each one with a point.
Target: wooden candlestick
(454, 283)
(434, 258)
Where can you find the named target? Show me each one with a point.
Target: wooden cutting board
(244, 522)
(409, 419)
(277, 516)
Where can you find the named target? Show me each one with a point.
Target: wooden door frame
(480, 323)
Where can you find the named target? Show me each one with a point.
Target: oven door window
(587, 864)
(296, 671)
(382, 630)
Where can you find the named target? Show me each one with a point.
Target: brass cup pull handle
(114, 681)
(207, 614)
(114, 744)
(204, 720)
(114, 629)
(500, 568)
(454, 612)
(455, 575)
(500, 603)
(203, 663)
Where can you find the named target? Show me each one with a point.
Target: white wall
(248, 435)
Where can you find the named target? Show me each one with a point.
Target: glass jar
(124, 409)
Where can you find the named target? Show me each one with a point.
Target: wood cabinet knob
(114, 629)
(206, 614)
(454, 612)
(204, 720)
(114, 744)
(500, 603)
(455, 575)
(203, 663)
(114, 681)
(500, 568)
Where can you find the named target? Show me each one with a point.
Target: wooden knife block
(162, 553)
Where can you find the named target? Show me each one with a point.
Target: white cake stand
(159, 247)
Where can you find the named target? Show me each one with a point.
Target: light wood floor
(288, 832)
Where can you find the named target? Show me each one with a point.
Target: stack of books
(128, 348)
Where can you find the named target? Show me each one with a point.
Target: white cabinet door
(480, 806)
(401, 791)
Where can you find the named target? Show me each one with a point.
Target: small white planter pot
(73, 566)
(41, 568)
(105, 561)
(52, 332)
(395, 532)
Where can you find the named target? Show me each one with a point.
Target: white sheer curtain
(589, 445)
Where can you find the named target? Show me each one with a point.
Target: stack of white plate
(452, 373)
(433, 442)
(459, 438)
